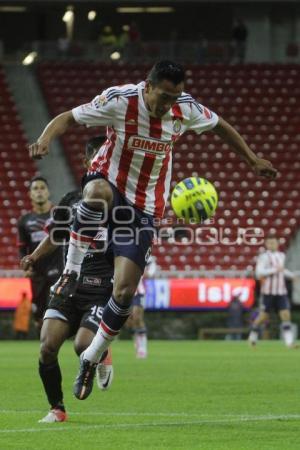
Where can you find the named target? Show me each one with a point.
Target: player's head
(91, 148)
(164, 84)
(271, 242)
(39, 190)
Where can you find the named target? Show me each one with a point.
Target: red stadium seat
(13, 160)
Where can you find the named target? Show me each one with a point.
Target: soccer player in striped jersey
(129, 182)
(271, 272)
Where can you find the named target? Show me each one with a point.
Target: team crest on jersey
(177, 126)
(102, 100)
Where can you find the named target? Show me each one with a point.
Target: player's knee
(124, 293)
(98, 194)
(140, 322)
(137, 314)
(48, 352)
(79, 348)
(285, 315)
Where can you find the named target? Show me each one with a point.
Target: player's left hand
(27, 265)
(264, 168)
(39, 149)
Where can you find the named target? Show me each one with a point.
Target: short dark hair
(166, 70)
(93, 144)
(38, 178)
(271, 236)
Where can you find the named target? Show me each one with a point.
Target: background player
(132, 172)
(271, 272)
(79, 315)
(31, 233)
(136, 320)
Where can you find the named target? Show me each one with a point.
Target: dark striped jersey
(95, 266)
(31, 230)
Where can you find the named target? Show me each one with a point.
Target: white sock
(78, 247)
(99, 345)
(287, 333)
(253, 336)
(142, 343)
(85, 229)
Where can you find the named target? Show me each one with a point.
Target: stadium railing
(141, 52)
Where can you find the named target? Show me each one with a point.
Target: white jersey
(272, 280)
(137, 155)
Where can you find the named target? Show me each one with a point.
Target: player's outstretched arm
(229, 135)
(291, 275)
(55, 128)
(45, 247)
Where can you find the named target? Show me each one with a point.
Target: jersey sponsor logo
(154, 146)
(37, 236)
(91, 281)
(31, 223)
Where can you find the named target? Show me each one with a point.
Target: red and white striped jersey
(137, 155)
(272, 280)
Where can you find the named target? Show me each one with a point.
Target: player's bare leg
(115, 314)
(140, 331)
(53, 334)
(104, 371)
(91, 215)
(253, 336)
(285, 317)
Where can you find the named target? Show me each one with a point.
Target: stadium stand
(261, 101)
(16, 169)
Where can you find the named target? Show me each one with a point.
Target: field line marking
(109, 413)
(240, 419)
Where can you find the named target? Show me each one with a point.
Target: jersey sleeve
(262, 270)
(23, 239)
(201, 118)
(99, 112)
(289, 274)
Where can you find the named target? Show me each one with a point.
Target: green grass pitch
(185, 396)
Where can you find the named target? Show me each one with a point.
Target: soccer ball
(194, 199)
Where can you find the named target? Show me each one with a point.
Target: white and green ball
(194, 199)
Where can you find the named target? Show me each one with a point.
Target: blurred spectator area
(16, 169)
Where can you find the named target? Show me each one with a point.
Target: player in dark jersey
(31, 233)
(78, 315)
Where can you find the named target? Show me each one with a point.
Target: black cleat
(66, 285)
(83, 385)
